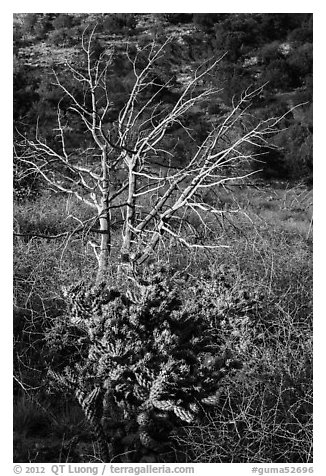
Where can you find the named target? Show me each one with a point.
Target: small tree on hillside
(125, 164)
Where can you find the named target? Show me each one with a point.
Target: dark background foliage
(271, 49)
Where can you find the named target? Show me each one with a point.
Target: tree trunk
(105, 250)
(105, 224)
(130, 214)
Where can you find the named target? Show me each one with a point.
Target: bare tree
(153, 199)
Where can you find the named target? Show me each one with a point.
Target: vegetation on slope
(254, 296)
(271, 49)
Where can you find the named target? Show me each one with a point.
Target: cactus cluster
(148, 362)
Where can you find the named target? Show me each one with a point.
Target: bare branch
(129, 168)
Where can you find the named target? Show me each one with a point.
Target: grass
(265, 410)
(50, 432)
(265, 413)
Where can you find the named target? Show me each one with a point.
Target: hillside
(275, 50)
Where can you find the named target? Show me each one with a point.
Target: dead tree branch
(153, 190)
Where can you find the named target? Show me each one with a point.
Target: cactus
(149, 361)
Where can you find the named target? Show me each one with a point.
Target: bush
(301, 60)
(29, 22)
(62, 21)
(265, 410)
(279, 74)
(176, 18)
(146, 361)
(207, 21)
(26, 184)
(264, 413)
(269, 395)
(292, 156)
(119, 23)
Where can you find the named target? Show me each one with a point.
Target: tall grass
(265, 410)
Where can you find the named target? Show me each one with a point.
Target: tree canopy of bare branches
(126, 164)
